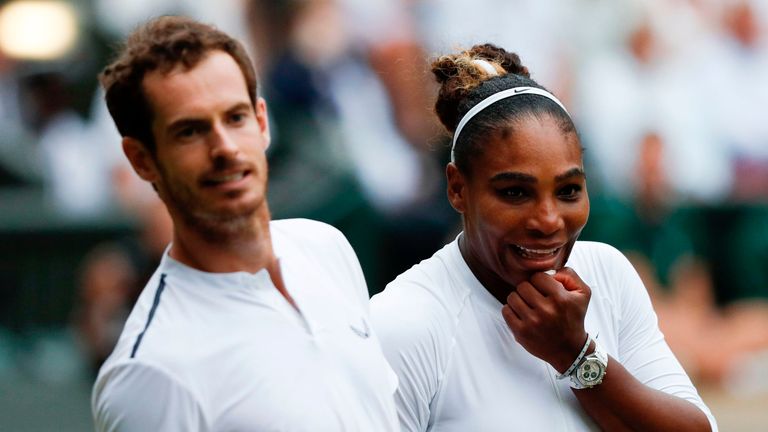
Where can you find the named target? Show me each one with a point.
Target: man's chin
(224, 224)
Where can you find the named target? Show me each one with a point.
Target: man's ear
(141, 159)
(457, 187)
(263, 120)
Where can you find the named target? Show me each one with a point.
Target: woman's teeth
(536, 253)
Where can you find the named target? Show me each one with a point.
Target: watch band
(591, 370)
(576, 362)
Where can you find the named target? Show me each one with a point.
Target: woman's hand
(546, 316)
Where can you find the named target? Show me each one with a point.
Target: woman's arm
(546, 316)
(621, 402)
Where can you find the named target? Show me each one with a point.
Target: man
(247, 324)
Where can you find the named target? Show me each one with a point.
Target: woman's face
(524, 203)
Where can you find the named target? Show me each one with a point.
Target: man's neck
(248, 251)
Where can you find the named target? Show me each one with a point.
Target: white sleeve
(411, 343)
(136, 397)
(642, 348)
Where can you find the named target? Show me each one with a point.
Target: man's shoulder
(309, 237)
(301, 225)
(304, 230)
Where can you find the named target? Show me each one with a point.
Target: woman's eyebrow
(514, 175)
(573, 172)
(527, 178)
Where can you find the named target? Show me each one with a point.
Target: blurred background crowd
(667, 94)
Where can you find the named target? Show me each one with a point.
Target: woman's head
(517, 177)
(469, 77)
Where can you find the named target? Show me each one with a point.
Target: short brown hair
(162, 44)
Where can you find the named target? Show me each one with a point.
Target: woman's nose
(546, 218)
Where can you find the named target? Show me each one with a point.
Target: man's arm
(135, 397)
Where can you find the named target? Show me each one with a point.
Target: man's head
(162, 45)
(199, 131)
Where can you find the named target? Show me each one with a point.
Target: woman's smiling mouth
(535, 254)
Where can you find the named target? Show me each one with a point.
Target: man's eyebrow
(185, 122)
(240, 106)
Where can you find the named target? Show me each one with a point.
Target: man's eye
(187, 132)
(237, 117)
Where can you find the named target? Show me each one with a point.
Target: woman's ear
(141, 159)
(457, 183)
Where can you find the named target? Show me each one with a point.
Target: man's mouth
(216, 180)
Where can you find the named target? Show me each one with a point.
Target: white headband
(485, 103)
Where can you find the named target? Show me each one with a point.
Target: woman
(516, 325)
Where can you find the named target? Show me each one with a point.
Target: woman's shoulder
(594, 253)
(599, 264)
(433, 282)
(426, 299)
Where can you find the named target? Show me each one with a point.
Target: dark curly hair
(464, 83)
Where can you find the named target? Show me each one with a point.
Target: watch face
(591, 372)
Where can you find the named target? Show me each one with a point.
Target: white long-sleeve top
(460, 368)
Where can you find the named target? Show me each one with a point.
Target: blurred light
(37, 29)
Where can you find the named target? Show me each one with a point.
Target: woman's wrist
(569, 362)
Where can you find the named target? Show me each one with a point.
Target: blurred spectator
(112, 276)
(539, 31)
(732, 68)
(19, 162)
(661, 121)
(119, 17)
(349, 145)
(76, 162)
(640, 88)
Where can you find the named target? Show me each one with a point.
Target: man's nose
(223, 143)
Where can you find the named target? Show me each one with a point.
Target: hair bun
(459, 73)
(508, 61)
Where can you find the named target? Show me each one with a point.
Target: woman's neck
(495, 285)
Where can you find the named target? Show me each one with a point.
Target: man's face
(209, 165)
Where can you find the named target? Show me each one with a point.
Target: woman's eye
(570, 192)
(512, 192)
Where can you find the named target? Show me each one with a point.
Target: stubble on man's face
(215, 225)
